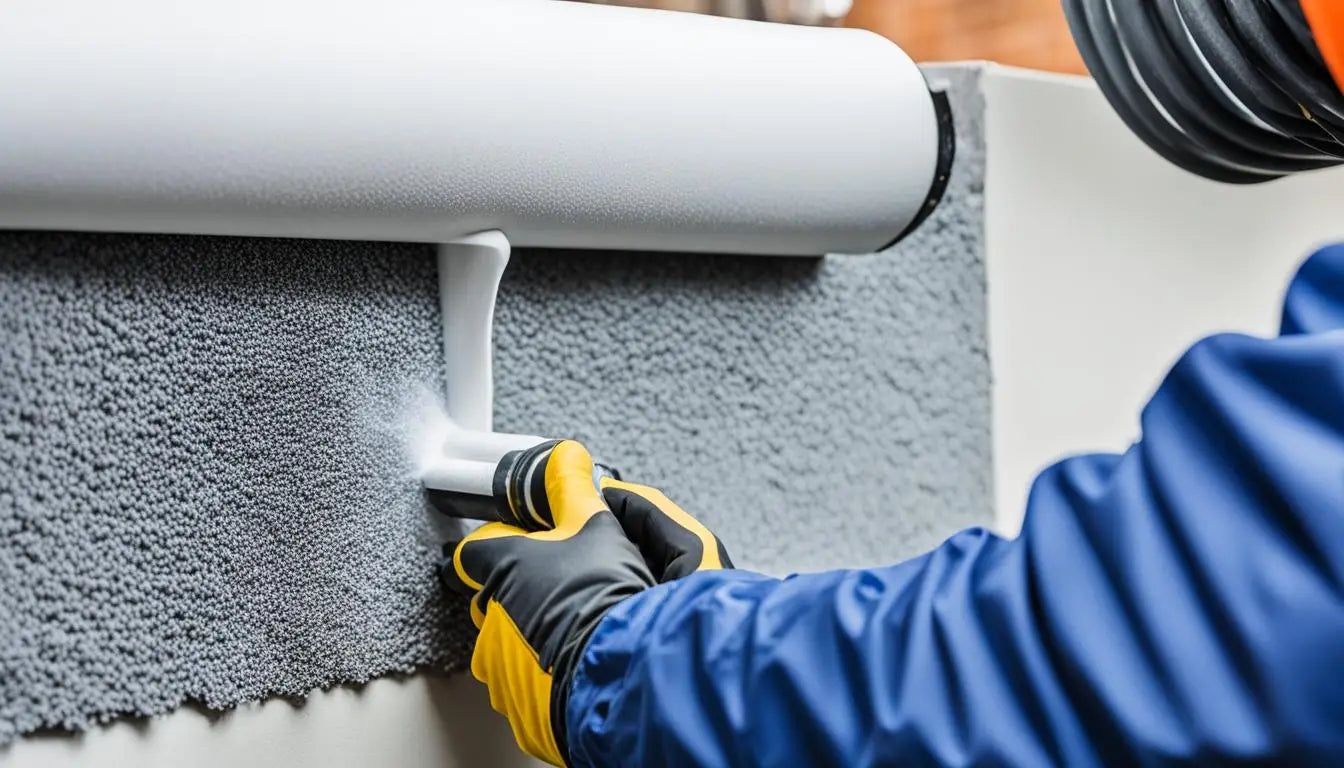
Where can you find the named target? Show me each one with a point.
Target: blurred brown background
(1026, 33)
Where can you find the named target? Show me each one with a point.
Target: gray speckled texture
(204, 489)
(818, 413)
(205, 496)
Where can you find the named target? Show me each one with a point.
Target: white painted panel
(418, 722)
(1105, 262)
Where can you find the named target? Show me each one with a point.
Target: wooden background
(1027, 33)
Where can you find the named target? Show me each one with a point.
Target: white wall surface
(1105, 262)
(419, 722)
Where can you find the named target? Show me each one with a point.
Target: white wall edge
(1104, 263)
(423, 721)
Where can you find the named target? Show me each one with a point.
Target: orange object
(1327, 25)
(1024, 33)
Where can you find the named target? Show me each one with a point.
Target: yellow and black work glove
(673, 543)
(536, 597)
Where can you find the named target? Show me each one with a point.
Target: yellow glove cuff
(519, 688)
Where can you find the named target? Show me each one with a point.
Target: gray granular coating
(206, 495)
(205, 488)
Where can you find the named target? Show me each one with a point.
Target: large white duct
(559, 124)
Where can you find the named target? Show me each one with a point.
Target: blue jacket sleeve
(1183, 601)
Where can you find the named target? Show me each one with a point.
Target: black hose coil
(1233, 90)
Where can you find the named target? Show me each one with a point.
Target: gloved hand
(537, 597)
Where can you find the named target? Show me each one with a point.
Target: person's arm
(1181, 602)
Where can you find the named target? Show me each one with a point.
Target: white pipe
(469, 272)
(460, 476)
(489, 447)
(560, 124)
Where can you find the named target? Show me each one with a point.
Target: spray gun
(518, 484)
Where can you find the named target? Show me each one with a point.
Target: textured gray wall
(206, 494)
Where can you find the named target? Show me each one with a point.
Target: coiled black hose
(1233, 90)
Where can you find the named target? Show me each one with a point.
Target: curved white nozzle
(469, 459)
(469, 274)
(460, 476)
